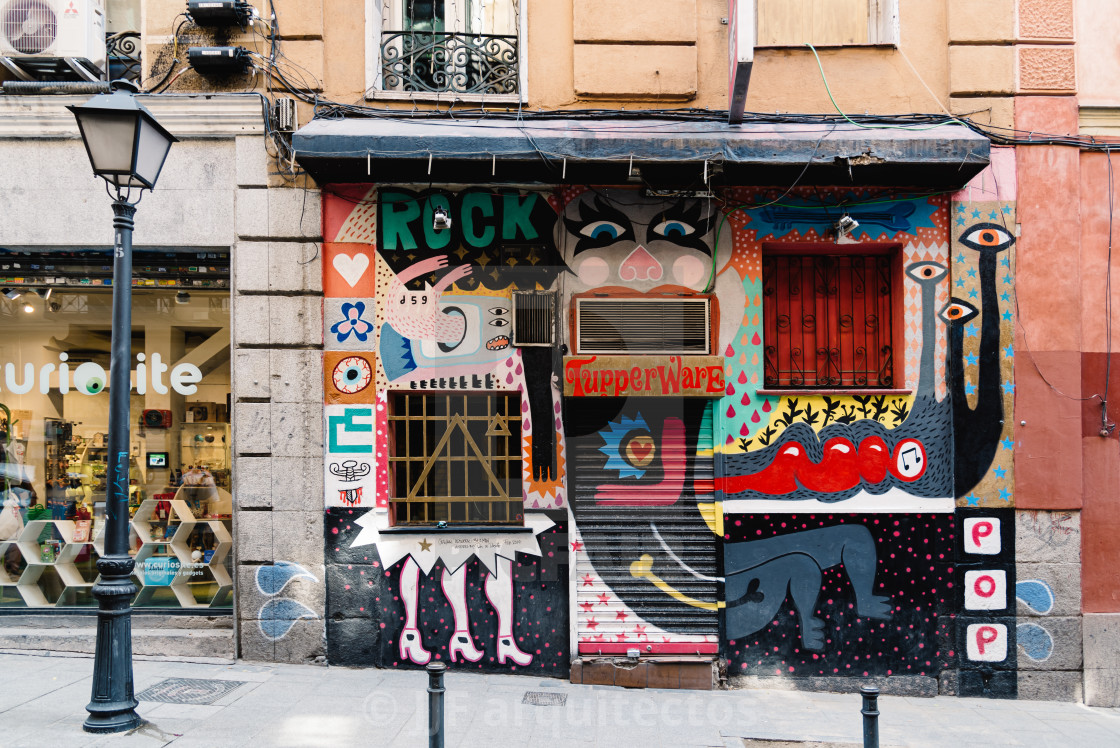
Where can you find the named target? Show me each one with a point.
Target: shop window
(828, 319)
(55, 331)
(825, 23)
(455, 458)
(459, 48)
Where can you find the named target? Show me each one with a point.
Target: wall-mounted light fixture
(846, 225)
(440, 219)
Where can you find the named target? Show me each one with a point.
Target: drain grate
(189, 690)
(545, 698)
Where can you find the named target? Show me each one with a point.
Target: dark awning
(602, 151)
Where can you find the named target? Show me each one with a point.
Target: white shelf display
(52, 577)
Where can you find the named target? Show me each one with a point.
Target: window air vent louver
(643, 325)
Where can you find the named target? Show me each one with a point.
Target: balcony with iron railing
(430, 62)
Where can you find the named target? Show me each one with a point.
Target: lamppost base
(112, 722)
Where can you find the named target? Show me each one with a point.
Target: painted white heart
(351, 268)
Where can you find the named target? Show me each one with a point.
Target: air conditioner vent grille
(30, 26)
(643, 326)
(534, 318)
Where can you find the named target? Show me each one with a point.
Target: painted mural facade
(724, 485)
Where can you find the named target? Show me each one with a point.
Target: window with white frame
(455, 48)
(826, 23)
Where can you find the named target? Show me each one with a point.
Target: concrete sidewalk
(43, 698)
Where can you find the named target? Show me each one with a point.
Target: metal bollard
(870, 713)
(435, 704)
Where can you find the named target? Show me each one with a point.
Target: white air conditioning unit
(34, 32)
(644, 325)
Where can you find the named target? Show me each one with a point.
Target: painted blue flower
(352, 322)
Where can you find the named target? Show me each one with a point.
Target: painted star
(1005, 296)
(972, 293)
(972, 272)
(1006, 209)
(1008, 388)
(604, 599)
(960, 207)
(587, 607)
(1007, 279)
(1006, 262)
(971, 358)
(592, 623)
(969, 388)
(970, 331)
(960, 221)
(588, 580)
(1008, 352)
(1007, 443)
(577, 545)
(972, 499)
(976, 214)
(425, 545)
(960, 282)
(640, 630)
(1000, 471)
(1004, 494)
(960, 257)
(1007, 314)
(993, 215)
(620, 615)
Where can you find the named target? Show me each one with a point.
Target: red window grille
(827, 320)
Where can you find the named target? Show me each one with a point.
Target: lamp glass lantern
(125, 144)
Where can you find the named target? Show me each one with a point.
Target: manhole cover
(189, 691)
(545, 698)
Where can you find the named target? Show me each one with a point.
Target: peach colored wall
(1100, 521)
(1098, 54)
(1048, 337)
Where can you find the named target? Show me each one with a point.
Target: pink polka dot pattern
(914, 567)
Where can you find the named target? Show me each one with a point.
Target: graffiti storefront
(680, 428)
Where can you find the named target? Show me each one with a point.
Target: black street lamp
(127, 148)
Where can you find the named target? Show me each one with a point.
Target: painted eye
(926, 271)
(497, 310)
(602, 230)
(352, 374)
(89, 378)
(957, 311)
(987, 236)
(673, 229)
(499, 322)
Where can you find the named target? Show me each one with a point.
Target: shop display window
(54, 413)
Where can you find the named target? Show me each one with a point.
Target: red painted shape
(668, 491)
(984, 583)
(841, 468)
(656, 647)
(981, 530)
(985, 635)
